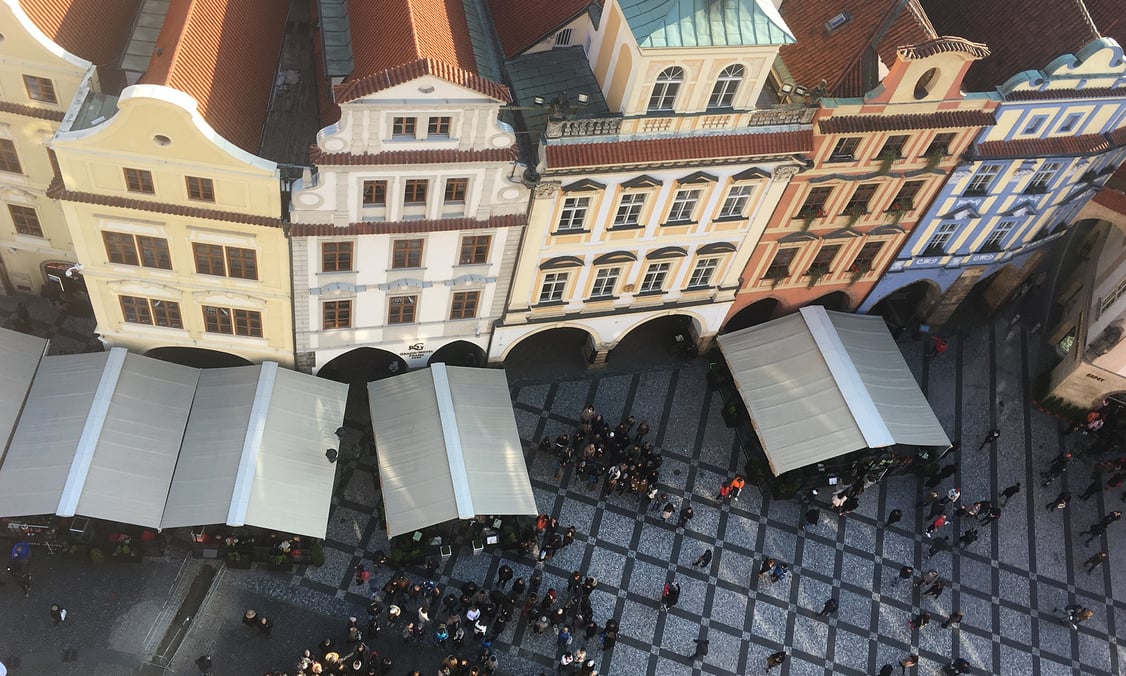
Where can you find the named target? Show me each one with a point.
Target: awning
(254, 451)
(99, 436)
(19, 357)
(821, 384)
(448, 447)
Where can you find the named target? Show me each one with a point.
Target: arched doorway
(357, 368)
(459, 353)
(655, 342)
(837, 301)
(559, 351)
(197, 357)
(754, 314)
(907, 305)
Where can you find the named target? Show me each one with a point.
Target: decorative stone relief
(545, 190)
(784, 172)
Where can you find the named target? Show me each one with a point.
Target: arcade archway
(357, 368)
(837, 301)
(558, 351)
(656, 342)
(197, 357)
(459, 353)
(907, 305)
(754, 314)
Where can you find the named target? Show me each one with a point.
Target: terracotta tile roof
(225, 54)
(1021, 34)
(1109, 18)
(31, 111)
(1111, 199)
(95, 30)
(835, 57)
(1117, 137)
(1053, 94)
(405, 227)
(413, 157)
(520, 24)
(943, 45)
(678, 149)
(1089, 144)
(947, 119)
(57, 190)
(395, 41)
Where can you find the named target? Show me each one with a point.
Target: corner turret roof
(705, 23)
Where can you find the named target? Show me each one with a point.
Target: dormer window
(666, 88)
(723, 93)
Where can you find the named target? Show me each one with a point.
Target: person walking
(701, 649)
(893, 518)
(989, 517)
(886, 670)
(1061, 501)
(938, 545)
(686, 515)
(203, 663)
(919, 621)
(58, 614)
(905, 573)
(935, 589)
(958, 666)
(504, 575)
(765, 568)
(968, 538)
(1009, 492)
(938, 522)
(811, 518)
(704, 559)
(670, 595)
(829, 608)
(1091, 490)
(993, 435)
(955, 618)
(909, 661)
(1095, 561)
(775, 659)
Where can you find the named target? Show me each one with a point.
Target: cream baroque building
(653, 196)
(405, 236)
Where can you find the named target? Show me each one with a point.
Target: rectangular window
(554, 283)
(401, 309)
(336, 314)
(866, 259)
(994, 241)
(1112, 297)
(845, 151)
(9, 160)
(573, 215)
(475, 249)
(402, 126)
(858, 203)
(605, 282)
(166, 313)
(414, 192)
(154, 252)
(375, 194)
(336, 256)
(456, 189)
(983, 180)
(684, 206)
(814, 204)
(940, 240)
(209, 259)
(136, 310)
(736, 201)
(217, 320)
(703, 272)
(201, 189)
(825, 257)
(1069, 122)
(893, 147)
(1038, 185)
(120, 248)
(779, 268)
(248, 323)
(152, 312)
(438, 126)
(629, 210)
(905, 198)
(464, 305)
(655, 276)
(940, 146)
(40, 89)
(1034, 124)
(242, 263)
(26, 220)
(139, 180)
(406, 253)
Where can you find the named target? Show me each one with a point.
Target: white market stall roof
(99, 437)
(19, 358)
(254, 451)
(448, 447)
(820, 384)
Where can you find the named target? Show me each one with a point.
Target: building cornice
(405, 227)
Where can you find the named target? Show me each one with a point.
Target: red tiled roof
(405, 227)
(57, 190)
(1117, 137)
(225, 54)
(1058, 146)
(31, 111)
(395, 41)
(1052, 94)
(678, 148)
(835, 57)
(1109, 18)
(1112, 199)
(1021, 34)
(947, 119)
(95, 30)
(521, 24)
(413, 157)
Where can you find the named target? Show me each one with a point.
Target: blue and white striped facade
(1060, 134)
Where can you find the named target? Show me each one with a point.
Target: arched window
(664, 91)
(723, 93)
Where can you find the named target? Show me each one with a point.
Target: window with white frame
(1069, 122)
(666, 88)
(1043, 176)
(983, 179)
(723, 93)
(703, 272)
(655, 276)
(940, 240)
(993, 242)
(736, 201)
(605, 282)
(1034, 124)
(684, 205)
(554, 284)
(629, 210)
(1111, 297)
(573, 215)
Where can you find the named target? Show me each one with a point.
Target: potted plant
(97, 556)
(854, 212)
(896, 210)
(126, 551)
(317, 557)
(816, 272)
(886, 158)
(236, 559)
(934, 156)
(808, 214)
(776, 275)
(857, 270)
(280, 561)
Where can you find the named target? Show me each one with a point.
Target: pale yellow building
(175, 219)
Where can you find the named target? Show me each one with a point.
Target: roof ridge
(179, 43)
(412, 17)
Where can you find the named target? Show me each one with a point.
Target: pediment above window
(715, 248)
(643, 181)
(585, 185)
(698, 177)
(616, 257)
(560, 262)
(667, 252)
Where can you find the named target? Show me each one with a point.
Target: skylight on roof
(837, 21)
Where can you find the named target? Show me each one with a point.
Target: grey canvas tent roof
(820, 384)
(19, 358)
(448, 447)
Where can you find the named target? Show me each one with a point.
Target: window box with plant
(886, 158)
(776, 275)
(809, 214)
(897, 209)
(857, 270)
(934, 156)
(816, 272)
(854, 212)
